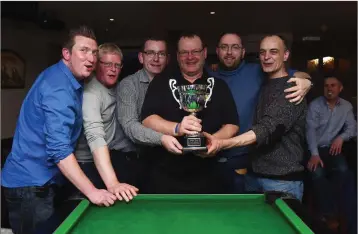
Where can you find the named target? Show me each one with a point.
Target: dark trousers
(329, 182)
(29, 207)
(233, 183)
(129, 167)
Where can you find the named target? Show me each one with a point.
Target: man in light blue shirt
(47, 130)
(330, 122)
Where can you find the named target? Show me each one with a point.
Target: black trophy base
(194, 143)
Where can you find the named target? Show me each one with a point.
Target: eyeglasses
(234, 47)
(185, 53)
(108, 64)
(152, 53)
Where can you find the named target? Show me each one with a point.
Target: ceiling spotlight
(111, 19)
(212, 13)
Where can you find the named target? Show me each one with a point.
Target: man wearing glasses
(131, 92)
(102, 142)
(245, 81)
(192, 172)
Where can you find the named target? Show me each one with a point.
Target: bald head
(273, 55)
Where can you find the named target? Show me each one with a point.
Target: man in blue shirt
(330, 122)
(245, 81)
(48, 126)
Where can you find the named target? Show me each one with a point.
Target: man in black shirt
(175, 172)
(278, 131)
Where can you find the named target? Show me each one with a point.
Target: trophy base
(194, 143)
(194, 149)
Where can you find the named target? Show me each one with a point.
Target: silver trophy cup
(193, 98)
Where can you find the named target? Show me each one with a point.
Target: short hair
(190, 35)
(332, 77)
(228, 33)
(109, 48)
(157, 37)
(283, 39)
(83, 30)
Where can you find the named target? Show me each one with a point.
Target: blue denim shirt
(324, 124)
(245, 84)
(48, 127)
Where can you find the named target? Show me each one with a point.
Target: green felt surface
(185, 214)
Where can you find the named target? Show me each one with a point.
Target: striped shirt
(131, 92)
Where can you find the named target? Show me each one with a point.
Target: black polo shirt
(186, 172)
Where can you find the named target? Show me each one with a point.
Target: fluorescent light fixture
(212, 12)
(111, 19)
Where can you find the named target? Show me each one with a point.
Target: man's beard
(231, 68)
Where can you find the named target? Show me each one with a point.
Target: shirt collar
(143, 76)
(65, 69)
(337, 103)
(111, 91)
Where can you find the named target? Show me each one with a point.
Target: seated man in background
(100, 126)
(330, 122)
(278, 131)
(47, 130)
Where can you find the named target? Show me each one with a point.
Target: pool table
(186, 214)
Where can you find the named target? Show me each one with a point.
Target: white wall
(39, 49)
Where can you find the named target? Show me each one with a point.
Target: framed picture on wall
(12, 70)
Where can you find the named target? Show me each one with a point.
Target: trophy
(193, 98)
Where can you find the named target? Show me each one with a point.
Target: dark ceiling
(133, 19)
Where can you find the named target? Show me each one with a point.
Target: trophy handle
(172, 86)
(210, 87)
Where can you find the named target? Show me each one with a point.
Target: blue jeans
(327, 181)
(257, 184)
(233, 183)
(29, 207)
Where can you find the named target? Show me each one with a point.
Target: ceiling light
(212, 13)
(111, 19)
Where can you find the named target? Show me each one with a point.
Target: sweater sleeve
(277, 119)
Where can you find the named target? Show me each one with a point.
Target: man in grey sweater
(278, 131)
(101, 132)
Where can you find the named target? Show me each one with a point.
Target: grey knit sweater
(280, 130)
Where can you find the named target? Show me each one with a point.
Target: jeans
(327, 181)
(233, 183)
(257, 184)
(29, 207)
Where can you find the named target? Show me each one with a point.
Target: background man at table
(330, 122)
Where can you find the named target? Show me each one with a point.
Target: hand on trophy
(214, 144)
(189, 125)
(171, 144)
